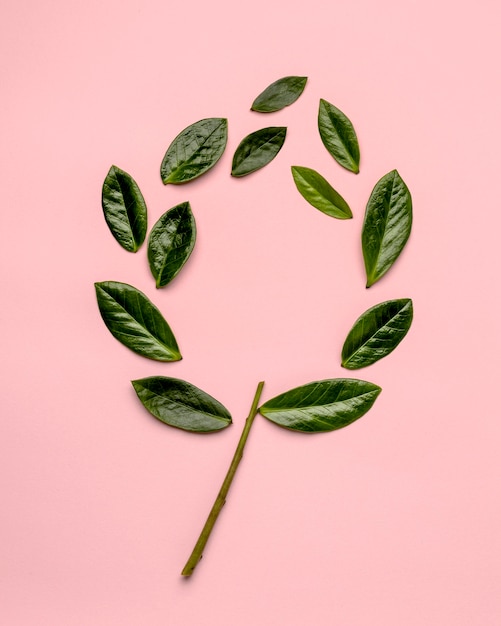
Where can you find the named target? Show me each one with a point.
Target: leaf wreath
(315, 407)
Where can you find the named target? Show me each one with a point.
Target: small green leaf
(257, 150)
(171, 242)
(321, 406)
(376, 333)
(319, 193)
(279, 94)
(135, 321)
(124, 209)
(338, 136)
(387, 225)
(181, 404)
(195, 150)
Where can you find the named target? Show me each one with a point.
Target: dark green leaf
(257, 150)
(338, 136)
(279, 94)
(319, 193)
(387, 225)
(135, 321)
(195, 150)
(181, 404)
(171, 242)
(124, 209)
(376, 333)
(321, 406)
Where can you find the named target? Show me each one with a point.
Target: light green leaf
(319, 193)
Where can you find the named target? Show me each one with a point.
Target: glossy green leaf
(338, 136)
(257, 150)
(194, 151)
(321, 406)
(280, 94)
(376, 333)
(135, 321)
(387, 225)
(171, 242)
(319, 193)
(181, 404)
(124, 209)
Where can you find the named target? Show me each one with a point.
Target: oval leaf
(257, 150)
(124, 209)
(181, 404)
(319, 193)
(338, 136)
(135, 321)
(279, 94)
(387, 225)
(321, 406)
(376, 333)
(195, 150)
(171, 242)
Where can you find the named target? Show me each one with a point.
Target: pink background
(392, 521)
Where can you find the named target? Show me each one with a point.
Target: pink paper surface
(393, 521)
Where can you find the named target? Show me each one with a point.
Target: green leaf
(135, 321)
(195, 150)
(280, 94)
(181, 404)
(319, 193)
(321, 406)
(338, 136)
(171, 242)
(124, 209)
(376, 333)
(257, 150)
(387, 225)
